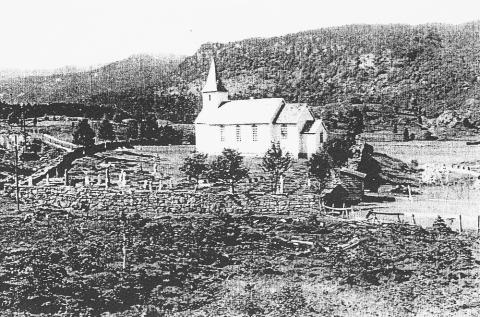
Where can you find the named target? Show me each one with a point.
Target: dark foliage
(406, 135)
(229, 168)
(194, 166)
(319, 167)
(169, 135)
(83, 134)
(131, 131)
(355, 122)
(105, 130)
(276, 163)
(338, 150)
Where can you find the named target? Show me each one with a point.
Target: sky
(49, 34)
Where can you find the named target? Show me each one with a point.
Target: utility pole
(123, 219)
(17, 192)
(24, 130)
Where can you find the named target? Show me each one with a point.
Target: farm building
(250, 126)
(346, 188)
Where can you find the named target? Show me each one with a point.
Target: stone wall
(97, 199)
(58, 166)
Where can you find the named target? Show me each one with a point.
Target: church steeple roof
(213, 83)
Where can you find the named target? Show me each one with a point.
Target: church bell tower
(213, 93)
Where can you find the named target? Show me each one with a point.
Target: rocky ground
(222, 265)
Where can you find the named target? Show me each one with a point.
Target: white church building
(250, 126)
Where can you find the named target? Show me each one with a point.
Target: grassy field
(446, 201)
(443, 152)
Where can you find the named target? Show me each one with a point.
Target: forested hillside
(426, 68)
(138, 72)
(415, 71)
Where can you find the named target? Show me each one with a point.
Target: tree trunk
(124, 251)
(275, 184)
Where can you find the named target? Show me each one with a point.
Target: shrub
(195, 166)
(228, 167)
(276, 163)
(319, 167)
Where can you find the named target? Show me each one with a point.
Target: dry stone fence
(115, 200)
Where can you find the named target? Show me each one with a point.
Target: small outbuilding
(346, 188)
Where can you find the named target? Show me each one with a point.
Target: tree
(195, 166)
(338, 150)
(132, 130)
(13, 118)
(105, 130)
(319, 167)
(84, 134)
(276, 163)
(355, 122)
(169, 135)
(148, 128)
(370, 166)
(228, 167)
(117, 117)
(406, 135)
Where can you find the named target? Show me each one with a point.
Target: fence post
(478, 224)
(460, 222)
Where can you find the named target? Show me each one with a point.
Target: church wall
(205, 140)
(291, 143)
(246, 145)
(312, 143)
(208, 139)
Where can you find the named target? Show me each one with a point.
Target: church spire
(213, 83)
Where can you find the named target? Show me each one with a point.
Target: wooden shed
(346, 188)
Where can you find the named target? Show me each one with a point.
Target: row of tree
(230, 169)
(147, 130)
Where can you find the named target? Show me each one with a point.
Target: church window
(222, 133)
(209, 97)
(321, 137)
(283, 131)
(238, 135)
(254, 133)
